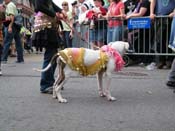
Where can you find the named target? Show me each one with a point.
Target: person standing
(142, 9)
(172, 34)
(45, 35)
(162, 8)
(171, 76)
(11, 31)
(84, 6)
(2, 17)
(67, 26)
(115, 14)
(98, 33)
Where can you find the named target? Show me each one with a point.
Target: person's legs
(7, 41)
(64, 40)
(92, 38)
(19, 47)
(0, 59)
(171, 76)
(41, 49)
(13, 50)
(101, 37)
(172, 35)
(109, 34)
(68, 39)
(36, 48)
(117, 33)
(47, 78)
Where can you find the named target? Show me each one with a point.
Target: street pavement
(144, 103)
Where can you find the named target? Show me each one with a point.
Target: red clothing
(113, 10)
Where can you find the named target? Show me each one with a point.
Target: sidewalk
(28, 57)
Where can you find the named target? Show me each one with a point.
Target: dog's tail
(49, 65)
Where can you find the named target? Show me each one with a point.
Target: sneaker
(171, 84)
(172, 47)
(168, 64)
(160, 65)
(49, 90)
(0, 73)
(141, 64)
(13, 55)
(151, 66)
(20, 62)
(4, 62)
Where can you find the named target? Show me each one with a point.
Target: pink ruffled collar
(119, 62)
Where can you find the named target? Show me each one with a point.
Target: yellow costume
(74, 57)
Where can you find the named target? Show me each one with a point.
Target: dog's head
(120, 46)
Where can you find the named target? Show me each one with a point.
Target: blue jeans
(47, 78)
(171, 75)
(172, 34)
(7, 42)
(67, 39)
(99, 35)
(114, 34)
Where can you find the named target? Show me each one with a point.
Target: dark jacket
(48, 37)
(46, 6)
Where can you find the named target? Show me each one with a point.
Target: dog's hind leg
(58, 92)
(59, 83)
(107, 89)
(100, 83)
(60, 66)
(59, 79)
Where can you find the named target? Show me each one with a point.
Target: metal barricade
(81, 36)
(151, 41)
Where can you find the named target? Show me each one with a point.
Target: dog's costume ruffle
(119, 62)
(74, 57)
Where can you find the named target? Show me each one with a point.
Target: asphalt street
(144, 103)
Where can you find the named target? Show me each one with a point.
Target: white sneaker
(142, 64)
(151, 66)
(172, 47)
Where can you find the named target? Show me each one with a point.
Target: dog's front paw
(62, 101)
(111, 98)
(54, 97)
(102, 94)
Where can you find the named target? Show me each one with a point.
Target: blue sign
(139, 23)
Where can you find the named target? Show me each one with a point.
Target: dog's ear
(126, 46)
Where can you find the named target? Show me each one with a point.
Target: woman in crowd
(67, 26)
(115, 15)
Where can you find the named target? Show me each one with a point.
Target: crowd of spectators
(115, 28)
(107, 21)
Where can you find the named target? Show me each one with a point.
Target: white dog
(88, 62)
